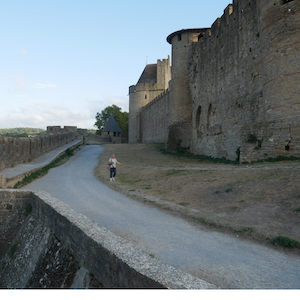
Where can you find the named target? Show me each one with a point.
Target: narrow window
(145, 96)
(208, 115)
(198, 115)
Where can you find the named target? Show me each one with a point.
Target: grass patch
(282, 158)
(203, 158)
(175, 172)
(43, 171)
(247, 229)
(200, 158)
(285, 242)
(228, 191)
(126, 179)
(184, 203)
(297, 209)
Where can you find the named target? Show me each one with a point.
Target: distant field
(21, 132)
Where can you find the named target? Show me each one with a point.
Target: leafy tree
(120, 117)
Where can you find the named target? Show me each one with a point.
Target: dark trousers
(113, 172)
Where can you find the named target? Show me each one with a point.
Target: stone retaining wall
(59, 238)
(15, 151)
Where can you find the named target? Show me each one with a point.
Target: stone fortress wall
(236, 80)
(15, 151)
(152, 84)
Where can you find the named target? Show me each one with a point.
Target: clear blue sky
(63, 61)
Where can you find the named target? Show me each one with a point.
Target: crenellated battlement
(238, 77)
(160, 96)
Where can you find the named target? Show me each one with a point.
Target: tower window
(198, 115)
(208, 115)
(145, 96)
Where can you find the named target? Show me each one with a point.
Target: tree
(120, 117)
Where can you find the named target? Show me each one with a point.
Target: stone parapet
(112, 260)
(15, 151)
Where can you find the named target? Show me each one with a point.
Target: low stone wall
(15, 151)
(59, 230)
(95, 139)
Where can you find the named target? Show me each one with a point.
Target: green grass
(223, 160)
(200, 158)
(43, 171)
(175, 172)
(285, 242)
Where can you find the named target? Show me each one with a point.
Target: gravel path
(215, 257)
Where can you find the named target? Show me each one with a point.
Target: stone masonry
(52, 246)
(235, 89)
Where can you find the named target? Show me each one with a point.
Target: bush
(285, 242)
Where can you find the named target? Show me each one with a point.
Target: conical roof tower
(111, 125)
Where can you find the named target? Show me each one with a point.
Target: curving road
(218, 258)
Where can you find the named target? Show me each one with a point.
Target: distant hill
(93, 131)
(21, 132)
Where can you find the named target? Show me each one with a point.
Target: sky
(63, 61)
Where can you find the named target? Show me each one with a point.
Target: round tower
(280, 25)
(181, 106)
(153, 81)
(138, 98)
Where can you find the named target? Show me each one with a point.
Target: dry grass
(260, 201)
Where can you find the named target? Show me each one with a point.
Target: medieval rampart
(252, 46)
(226, 82)
(234, 91)
(15, 151)
(156, 112)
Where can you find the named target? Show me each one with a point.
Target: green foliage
(252, 138)
(92, 131)
(21, 132)
(201, 158)
(285, 242)
(12, 250)
(281, 158)
(120, 117)
(43, 171)
(28, 210)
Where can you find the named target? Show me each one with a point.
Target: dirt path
(259, 201)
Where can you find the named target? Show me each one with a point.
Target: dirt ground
(256, 201)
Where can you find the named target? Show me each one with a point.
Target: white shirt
(114, 162)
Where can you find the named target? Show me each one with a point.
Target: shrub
(285, 242)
